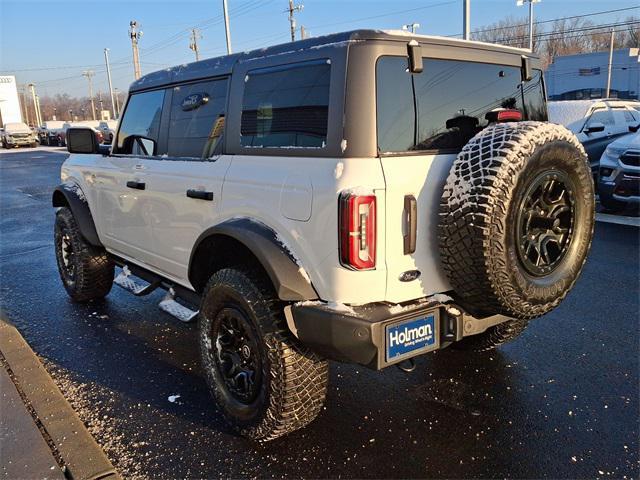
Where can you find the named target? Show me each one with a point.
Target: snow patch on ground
(173, 398)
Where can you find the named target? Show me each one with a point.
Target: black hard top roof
(218, 66)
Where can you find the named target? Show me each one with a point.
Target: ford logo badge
(194, 101)
(409, 275)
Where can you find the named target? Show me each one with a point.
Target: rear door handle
(200, 195)
(136, 185)
(411, 224)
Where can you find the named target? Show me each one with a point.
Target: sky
(52, 43)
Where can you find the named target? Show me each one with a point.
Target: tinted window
(286, 106)
(140, 119)
(197, 119)
(452, 98)
(601, 116)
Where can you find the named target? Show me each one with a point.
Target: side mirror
(594, 127)
(82, 140)
(634, 128)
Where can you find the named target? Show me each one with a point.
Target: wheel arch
(71, 196)
(244, 241)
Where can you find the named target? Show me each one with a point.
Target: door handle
(200, 195)
(411, 224)
(136, 185)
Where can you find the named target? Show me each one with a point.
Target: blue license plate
(406, 337)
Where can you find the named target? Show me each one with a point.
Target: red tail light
(504, 116)
(357, 231)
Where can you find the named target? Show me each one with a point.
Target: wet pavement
(559, 402)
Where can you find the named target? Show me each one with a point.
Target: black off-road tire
(493, 337)
(481, 213)
(292, 379)
(86, 271)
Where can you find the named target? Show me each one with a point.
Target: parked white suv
(18, 134)
(364, 197)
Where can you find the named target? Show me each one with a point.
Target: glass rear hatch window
(443, 107)
(286, 106)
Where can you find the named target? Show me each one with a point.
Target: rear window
(286, 106)
(445, 105)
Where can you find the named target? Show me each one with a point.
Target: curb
(80, 454)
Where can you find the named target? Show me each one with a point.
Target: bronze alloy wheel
(545, 222)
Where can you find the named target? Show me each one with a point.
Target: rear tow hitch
(408, 365)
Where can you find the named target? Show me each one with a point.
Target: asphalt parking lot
(560, 402)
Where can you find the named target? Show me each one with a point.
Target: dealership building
(584, 76)
(9, 101)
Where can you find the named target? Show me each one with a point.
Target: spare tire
(516, 219)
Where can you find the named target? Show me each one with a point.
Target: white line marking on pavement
(620, 220)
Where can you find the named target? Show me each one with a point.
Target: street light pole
(106, 61)
(35, 103)
(531, 2)
(466, 19)
(117, 102)
(227, 31)
(613, 37)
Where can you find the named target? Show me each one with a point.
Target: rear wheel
(516, 219)
(86, 271)
(265, 382)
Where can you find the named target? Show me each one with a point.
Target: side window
(286, 106)
(603, 116)
(197, 119)
(454, 100)
(140, 127)
(626, 116)
(394, 105)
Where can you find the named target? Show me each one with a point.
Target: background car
(18, 135)
(619, 173)
(61, 135)
(108, 130)
(47, 132)
(596, 123)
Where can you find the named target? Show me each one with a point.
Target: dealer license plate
(405, 338)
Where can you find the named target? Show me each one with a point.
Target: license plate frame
(408, 340)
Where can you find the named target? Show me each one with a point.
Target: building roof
(223, 65)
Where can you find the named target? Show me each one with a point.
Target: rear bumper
(358, 334)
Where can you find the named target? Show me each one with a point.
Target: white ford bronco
(363, 197)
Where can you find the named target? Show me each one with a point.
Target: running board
(173, 308)
(124, 280)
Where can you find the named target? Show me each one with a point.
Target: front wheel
(86, 271)
(264, 381)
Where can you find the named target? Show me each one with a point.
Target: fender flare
(286, 274)
(71, 195)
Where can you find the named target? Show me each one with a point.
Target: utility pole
(106, 61)
(195, 35)
(227, 31)
(135, 36)
(23, 103)
(116, 92)
(466, 19)
(35, 103)
(292, 21)
(303, 32)
(89, 74)
(531, 2)
(613, 37)
(39, 110)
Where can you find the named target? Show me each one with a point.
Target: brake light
(504, 116)
(357, 218)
